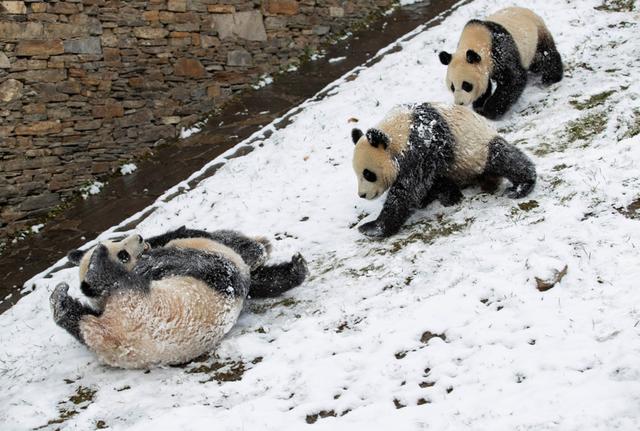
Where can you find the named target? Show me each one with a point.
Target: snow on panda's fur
(425, 152)
(168, 300)
(501, 48)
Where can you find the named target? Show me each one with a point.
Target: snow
(263, 82)
(318, 55)
(185, 132)
(188, 131)
(353, 341)
(337, 59)
(37, 227)
(128, 168)
(91, 189)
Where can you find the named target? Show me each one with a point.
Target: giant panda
(429, 151)
(501, 48)
(169, 299)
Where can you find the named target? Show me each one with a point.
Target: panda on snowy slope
(425, 152)
(169, 299)
(501, 48)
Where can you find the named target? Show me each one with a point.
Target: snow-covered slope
(440, 327)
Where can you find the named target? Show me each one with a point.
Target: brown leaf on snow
(544, 285)
(352, 120)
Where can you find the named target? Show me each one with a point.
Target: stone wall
(86, 85)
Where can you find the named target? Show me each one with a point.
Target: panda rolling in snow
(501, 48)
(168, 300)
(425, 152)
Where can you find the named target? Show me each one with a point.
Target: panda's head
(467, 75)
(126, 251)
(373, 163)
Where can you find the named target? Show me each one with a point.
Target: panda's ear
(473, 57)
(75, 256)
(377, 138)
(445, 57)
(356, 134)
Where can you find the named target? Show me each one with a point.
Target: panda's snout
(363, 195)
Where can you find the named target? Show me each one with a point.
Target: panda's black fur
(426, 163)
(176, 302)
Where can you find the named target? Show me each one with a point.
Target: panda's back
(471, 135)
(177, 319)
(210, 246)
(524, 26)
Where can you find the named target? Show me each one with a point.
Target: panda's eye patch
(369, 176)
(467, 86)
(123, 256)
(453, 88)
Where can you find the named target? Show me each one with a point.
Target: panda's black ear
(445, 57)
(356, 134)
(377, 138)
(75, 256)
(473, 57)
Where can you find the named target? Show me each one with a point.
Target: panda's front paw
(373, 229)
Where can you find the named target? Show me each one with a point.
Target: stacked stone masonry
(86, 85)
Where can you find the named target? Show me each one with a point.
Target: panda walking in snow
(425, 152)
(170, 299)
(501, 48)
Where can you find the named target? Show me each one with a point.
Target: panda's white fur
(170, 302)
(429, 151)
(525, 27)
(472, 135)
(179, 319)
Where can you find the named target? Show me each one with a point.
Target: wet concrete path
(124, 196)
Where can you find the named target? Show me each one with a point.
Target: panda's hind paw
(519, 190)
(59, 300)
(300, 267)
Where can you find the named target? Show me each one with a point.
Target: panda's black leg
(254, 251)
(429, 198)
(505, 160)
(508, 88)
(272, 280)
(68, 311)
(479, 103)
(161, 240)
(448, 192)
(489, 183)
(396, 210)
(181, 232)
(547, 61)
(444, 190)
